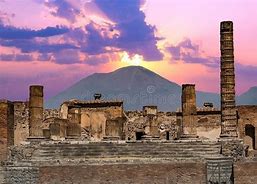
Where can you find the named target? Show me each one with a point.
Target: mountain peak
(135, 85)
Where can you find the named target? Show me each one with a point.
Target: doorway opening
(250, 136)
(139, 135)
(167, 135)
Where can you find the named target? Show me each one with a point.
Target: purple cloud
(67, 57)
(63, 9)
(16, 57)
(190, 53)
(133, 35)
(27, 46)
(10, 32)
(136, 36)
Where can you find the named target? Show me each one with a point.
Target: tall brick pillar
(6, 128)
(36, 111)
(227, 81)
(189, 112)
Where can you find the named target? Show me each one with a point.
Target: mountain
(136, 85)
(249, 97)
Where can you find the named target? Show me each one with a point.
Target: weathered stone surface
(22, 174)
(150, 110)
(227, 81)
(247, 121)
(36, 109)
(6, 128)
(125, 174)
(114, 128)
(50, 113)
(157, 125)
(21, 122)
(2, 174)
(232, 148)
(189, 112)
(245, 172)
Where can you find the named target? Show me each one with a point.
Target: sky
(56, 43)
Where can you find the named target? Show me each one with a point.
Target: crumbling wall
(162, 122)
(208, 122)
(21, 120)
(51, 113)
(247, 115)
(208, 126)
(93, 120)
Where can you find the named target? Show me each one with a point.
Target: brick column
(189, 112)
(227, 81)
(6, 128)
(36, 111)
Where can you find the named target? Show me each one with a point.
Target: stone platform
(85, 152)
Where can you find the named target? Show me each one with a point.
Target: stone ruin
(97, 141)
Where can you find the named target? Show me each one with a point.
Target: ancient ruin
(227, 81)
(98, 141)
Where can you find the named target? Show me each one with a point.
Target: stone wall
(162, 173)
(163, 123)
(22, 174)
(172, 173)
(207, 123)
(51, 113)
(93, 120)
(21, 120)
(247, 116)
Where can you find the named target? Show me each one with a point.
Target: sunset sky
(58, 42)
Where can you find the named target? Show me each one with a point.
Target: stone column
(189, 112)
(227, 81)
(36, 111)
(6, 128)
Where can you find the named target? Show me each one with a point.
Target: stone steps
(105, 150)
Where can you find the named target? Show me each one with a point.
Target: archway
(249, 138)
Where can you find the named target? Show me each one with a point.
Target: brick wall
(172, 173)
